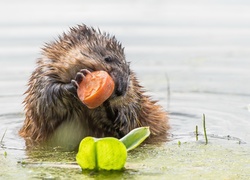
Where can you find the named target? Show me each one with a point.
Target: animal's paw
(79, 77)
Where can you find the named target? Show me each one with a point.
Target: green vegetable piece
(111, 154)
(86, 156)
(135, 137)
(105, 153)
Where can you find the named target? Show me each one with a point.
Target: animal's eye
(108, 59)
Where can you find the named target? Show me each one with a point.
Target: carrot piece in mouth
(95, 88)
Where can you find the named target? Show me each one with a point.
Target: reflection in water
(10, 125)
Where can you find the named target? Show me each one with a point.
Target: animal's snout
(121, 86)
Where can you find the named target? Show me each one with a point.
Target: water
(198, 49)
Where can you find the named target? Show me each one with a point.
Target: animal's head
(87, 48)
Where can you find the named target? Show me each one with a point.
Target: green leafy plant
(109, 153)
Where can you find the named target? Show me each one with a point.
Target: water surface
(191, 56)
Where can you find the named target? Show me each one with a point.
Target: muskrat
(53, 112)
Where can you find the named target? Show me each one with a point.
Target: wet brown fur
(51, 98)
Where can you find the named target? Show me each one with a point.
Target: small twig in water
(71, 165)
(1, 142)
(204, 127)
(196, 133)
(168, 91)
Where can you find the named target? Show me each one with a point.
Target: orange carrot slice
(95, 88)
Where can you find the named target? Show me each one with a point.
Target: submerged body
(55, 115)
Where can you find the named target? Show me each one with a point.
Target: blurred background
(193, 56)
